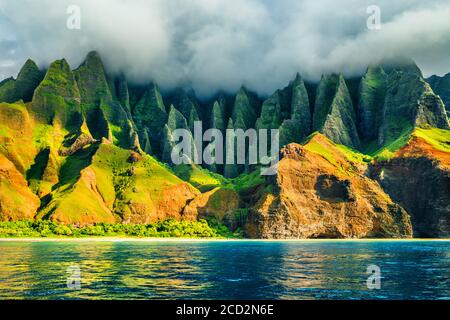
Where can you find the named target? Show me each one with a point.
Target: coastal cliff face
(316, 195)
(363, 157)
(418, 178)
(220, 204)
(17, 202)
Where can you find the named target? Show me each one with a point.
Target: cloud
(221, 44)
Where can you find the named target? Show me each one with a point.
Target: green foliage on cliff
(438, 138)
(247, 181)
(387, 152)
(200, 178)
(334, 113)
(7, 91)
(318, 148)
(289, 111)
(372, 92)
(410, 103)
(101, 182)
(441, 86)
(105, 116)
(23, 87)
(354, 155)
(223, 230)
(245, 110)
(187, 105)
(57, 98)
(150, 116)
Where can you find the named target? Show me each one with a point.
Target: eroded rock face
(175, 121)
(17, 202)
(187, 105)
(218, 203)
(79, 143)
(16, 141)
(418, 178)
(372, 91)
(150, 116)
(441, 86)
(410, 102)
(334, 114)
(313, 198)
(289, 111)
(245, 110)
(105, 115)
(217, 120)
(168, 205)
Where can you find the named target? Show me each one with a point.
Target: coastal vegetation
(163, 229)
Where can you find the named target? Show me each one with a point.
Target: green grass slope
(105, 183)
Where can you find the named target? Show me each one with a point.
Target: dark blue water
(224, 270)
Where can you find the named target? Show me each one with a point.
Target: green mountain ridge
(92, 148)
(441, 86)
(23, 87)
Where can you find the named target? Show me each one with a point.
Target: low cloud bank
(221, 44)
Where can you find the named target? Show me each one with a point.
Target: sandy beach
(161, 240)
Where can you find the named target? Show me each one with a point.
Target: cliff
(418, 178)
(363, 157)
(320, 193)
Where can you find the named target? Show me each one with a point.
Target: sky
(213, 45)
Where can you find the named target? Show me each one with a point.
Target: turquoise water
(224, 270)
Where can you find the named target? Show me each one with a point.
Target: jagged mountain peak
(93, 58)
(6, 80)
(47, 106)
(401, 64)
(374, 69)
(78, 139)
(243, 90)
(441, 86)
(22, 88)
(61, 64)
(334, 114)
(29, 66)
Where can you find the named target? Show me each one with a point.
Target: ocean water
(224, 270)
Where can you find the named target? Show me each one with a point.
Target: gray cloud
(222, 44)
